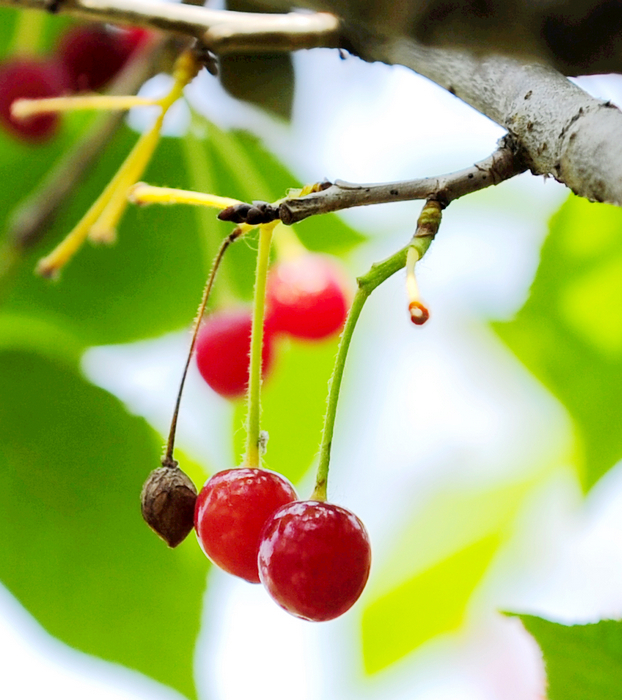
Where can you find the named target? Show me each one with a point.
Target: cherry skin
(222, 351)
(30, 78)
(230, 513)
(92, 54)
(314, 559)
(306, 297)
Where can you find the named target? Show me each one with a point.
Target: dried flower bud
(418, 313)
(167, 500)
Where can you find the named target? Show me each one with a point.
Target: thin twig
(501, 165)
(168, 460)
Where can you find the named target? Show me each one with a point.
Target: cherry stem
(252, 456)
(378, 274)
(168, 460)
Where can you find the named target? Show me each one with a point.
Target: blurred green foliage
(569, 332)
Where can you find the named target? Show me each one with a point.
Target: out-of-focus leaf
(145, 285)
(427, 605)
(569, 333)
(264, 79)
(49, 27)
(440, 557)
(293, 406)
(583, 662)
(75, 551)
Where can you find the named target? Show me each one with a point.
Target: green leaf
(583, 662)
(425, 606)
(265, 79)
(293, 402)
(75, 551)
(147, 284)
(439, 558)
(569, 333)
(42, 38)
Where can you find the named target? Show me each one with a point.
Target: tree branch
(221, 31)
(562, 131)
(503, 164)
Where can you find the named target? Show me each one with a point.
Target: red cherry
(30, 78)
(306, 297)
(92, 55)
(222, 351)
(314, 559)
(230, 513)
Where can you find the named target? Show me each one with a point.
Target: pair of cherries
(312, 557)
(305, 298)
(86, 59)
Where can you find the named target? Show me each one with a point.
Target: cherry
(314, 559)
(222, 351)
(306, 297)
(230, 513)
(30, 78)
(92, 55)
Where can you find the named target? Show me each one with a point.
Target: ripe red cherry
(230, 513)
(30, 78)
(314, 559)
(306, 297)
(93, 54)
(222, 351)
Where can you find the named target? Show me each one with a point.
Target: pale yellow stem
(287, 243)
(412, 288)
(104, 230)
(148, 194)
(23, 108)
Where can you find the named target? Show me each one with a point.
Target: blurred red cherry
(30, 78)
(93, 54)
(306, 297)
(222, 351)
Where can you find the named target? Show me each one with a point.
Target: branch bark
(503, 164)
(222, 31)
(563, 132)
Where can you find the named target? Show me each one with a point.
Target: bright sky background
(450, 405)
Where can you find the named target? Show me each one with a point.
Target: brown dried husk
(167, 499)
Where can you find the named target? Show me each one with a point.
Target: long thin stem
(378, 273)
(168, 460)
(252, 456)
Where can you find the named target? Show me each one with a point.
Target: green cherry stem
(252, 457)
(378, 274)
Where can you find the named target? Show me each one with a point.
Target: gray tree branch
(503, 164)
(562, 131)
